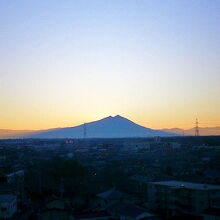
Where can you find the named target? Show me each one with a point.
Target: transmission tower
(197, 128)
(84, 131)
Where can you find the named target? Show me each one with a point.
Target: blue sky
(66, 62)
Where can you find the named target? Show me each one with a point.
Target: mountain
(110, 127)
(202, 131)
(178, 131)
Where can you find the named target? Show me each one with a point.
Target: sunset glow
(63, 63)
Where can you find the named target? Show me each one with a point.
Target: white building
(8, 205)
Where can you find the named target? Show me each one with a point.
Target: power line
(197, 128)
(84, 131)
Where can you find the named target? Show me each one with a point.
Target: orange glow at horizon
(43, 122)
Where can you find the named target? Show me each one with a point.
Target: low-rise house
(110, 197)
(56, 214)
(175, 145)
(8, 205)
(212, 175)
(212, 214)
(15, 177)
(93, 216)
(140, 185)
(56, 204)
(126, 211)
(6, 188)
(56, 209)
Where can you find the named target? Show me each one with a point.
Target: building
(16, 177)
(172, 198)
(126, 211)
(109, 197)
(93, 216)
(212, 214)
(8, 205)
(175, 145)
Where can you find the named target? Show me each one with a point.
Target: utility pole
(61, 188)
(84, 131)
(197, 128)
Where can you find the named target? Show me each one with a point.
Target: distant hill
(110, 127)
(6, 133)
(202, 131)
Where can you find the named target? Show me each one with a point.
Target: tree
(68, 175)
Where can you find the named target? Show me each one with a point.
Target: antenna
(197, 128)
(84, 131)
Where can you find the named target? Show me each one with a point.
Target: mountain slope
(105, 128)
(110, 127)
(206, 131)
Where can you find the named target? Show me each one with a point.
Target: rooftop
(126, 209)
(213, 212)
(188, 185)
(7, 198)
(17, 173)
(111, 194)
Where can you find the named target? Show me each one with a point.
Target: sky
(63, 63)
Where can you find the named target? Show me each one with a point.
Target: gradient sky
(63, 63)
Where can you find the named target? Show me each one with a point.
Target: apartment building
(172, 198)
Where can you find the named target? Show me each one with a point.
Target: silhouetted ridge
(109, 127)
